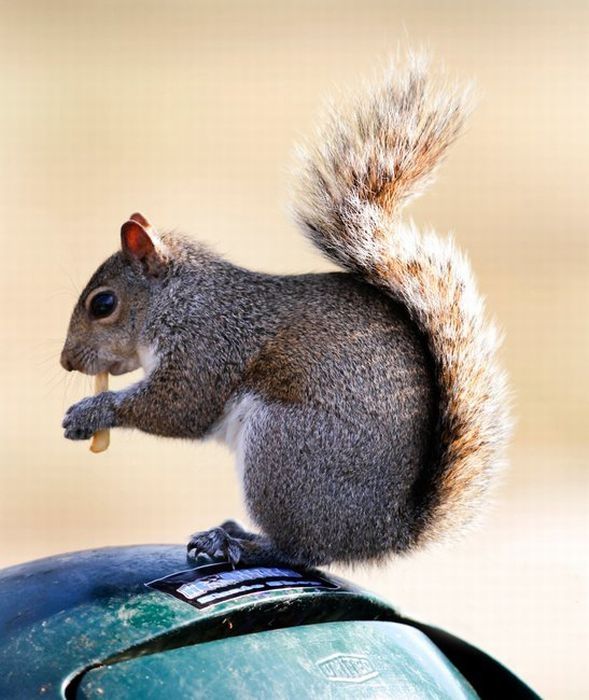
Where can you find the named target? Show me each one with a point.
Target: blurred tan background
(187, 112)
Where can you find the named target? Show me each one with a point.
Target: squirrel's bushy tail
(367, 161)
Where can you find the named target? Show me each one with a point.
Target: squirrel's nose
(65, 361)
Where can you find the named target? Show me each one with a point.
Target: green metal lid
(136, 622)
(331, 660)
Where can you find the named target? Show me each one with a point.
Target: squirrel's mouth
(86, 364)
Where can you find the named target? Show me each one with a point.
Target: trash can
(141, 622)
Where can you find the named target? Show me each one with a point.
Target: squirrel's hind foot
(230, 542)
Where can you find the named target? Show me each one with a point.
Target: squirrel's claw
(217, 544)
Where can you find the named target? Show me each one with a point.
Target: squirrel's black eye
(103, 304)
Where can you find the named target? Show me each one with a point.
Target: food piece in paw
(100, 439)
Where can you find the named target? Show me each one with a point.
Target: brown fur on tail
(370, 158)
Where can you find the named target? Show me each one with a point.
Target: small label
(217, 583)
(347, 668)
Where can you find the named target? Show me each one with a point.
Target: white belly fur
(233, 426)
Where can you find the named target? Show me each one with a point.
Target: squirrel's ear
(140, 219)
(139, 244)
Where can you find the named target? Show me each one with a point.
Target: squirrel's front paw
(89, 415)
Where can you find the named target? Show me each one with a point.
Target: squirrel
(366, 408)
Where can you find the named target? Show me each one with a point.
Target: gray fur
(329, 475)
(366, 407)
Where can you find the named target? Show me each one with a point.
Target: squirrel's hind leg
(232, 543)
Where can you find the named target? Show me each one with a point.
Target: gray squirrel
(366, 408)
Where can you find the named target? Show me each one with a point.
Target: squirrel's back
(347, 347)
